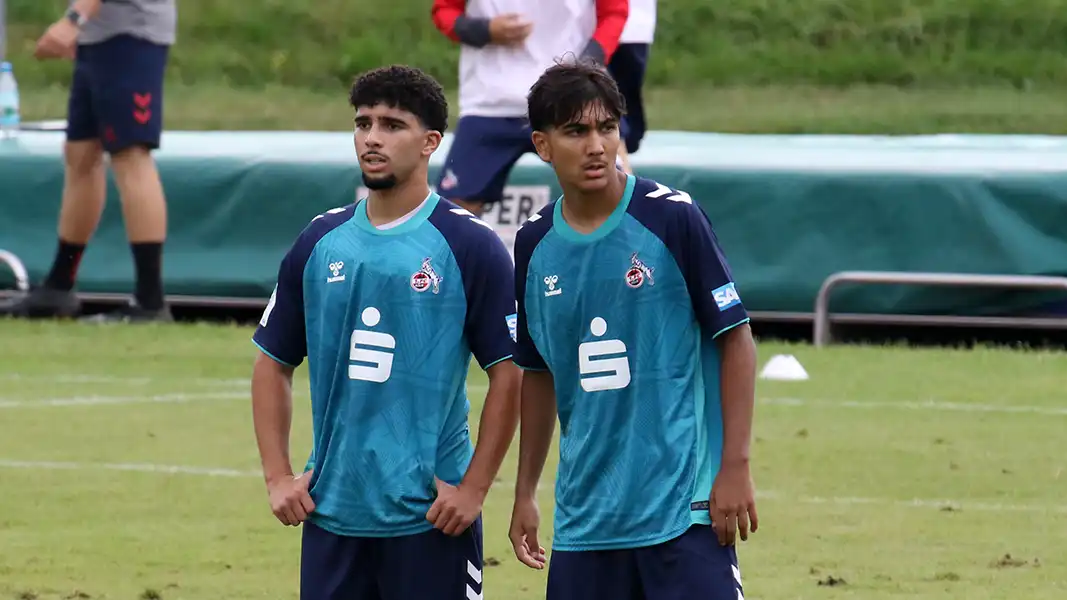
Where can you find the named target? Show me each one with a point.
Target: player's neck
(386, 206)
(586, 211)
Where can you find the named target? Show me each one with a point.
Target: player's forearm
(449, 18)
(738, 381)
(537, 424)
(611, 18)
(500, 417)
(272, 415)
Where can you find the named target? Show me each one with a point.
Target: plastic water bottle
(9, 102)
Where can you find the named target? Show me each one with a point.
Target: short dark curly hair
(563, 92)
(406, 88)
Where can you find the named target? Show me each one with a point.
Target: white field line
(922, 503)
(149, 468)
(476, 390)
(105, 379)
(105, 400)
(931, 405)
(95, 400)
(927, 503)
(137, 467)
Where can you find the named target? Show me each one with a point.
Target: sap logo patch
(513, 326)
(726, 296)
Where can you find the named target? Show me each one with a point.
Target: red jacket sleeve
(445, 13)
(611, 18)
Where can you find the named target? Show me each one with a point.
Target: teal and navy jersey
(625, 319)
(388, 320)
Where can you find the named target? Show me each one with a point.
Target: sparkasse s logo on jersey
(371, 352)
(600, 366)
(726, 296)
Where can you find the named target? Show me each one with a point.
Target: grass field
(771, 109)
(129, 470)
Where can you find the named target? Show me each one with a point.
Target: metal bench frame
(822, 318)
(822, 326)
(22, 278)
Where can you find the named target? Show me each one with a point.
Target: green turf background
(319, 44)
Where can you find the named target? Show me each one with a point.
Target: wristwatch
(75, 17)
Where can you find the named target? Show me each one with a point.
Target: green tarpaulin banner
(789, 210)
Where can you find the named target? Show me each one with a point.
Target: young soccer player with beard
(388, 299)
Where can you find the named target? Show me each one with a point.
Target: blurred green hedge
(321, 44)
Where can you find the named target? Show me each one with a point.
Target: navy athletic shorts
(692, 566)
(628, 66)
(116, 94)
(424, 566)
(481, 156)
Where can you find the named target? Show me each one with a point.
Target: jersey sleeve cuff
(496, 362)
(472, 31)
(729, 327)
(594, 51)
(272, 356)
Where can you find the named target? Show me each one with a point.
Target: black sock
(148, 261)
(65, 266)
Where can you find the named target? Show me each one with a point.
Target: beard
(379, 183)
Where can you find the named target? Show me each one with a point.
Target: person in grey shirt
(120, 50)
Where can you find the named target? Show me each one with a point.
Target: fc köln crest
(426, 278)
(639, 273)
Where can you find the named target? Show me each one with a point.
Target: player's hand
(525, 519)
(60, 40)
(733, 503)
(455, 508)
(289, 498)
(510, 29)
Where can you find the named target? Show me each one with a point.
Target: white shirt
(494, 80)
(405, 218)
(641, 24)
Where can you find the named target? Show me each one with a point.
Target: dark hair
(562, 93)
(406, 88)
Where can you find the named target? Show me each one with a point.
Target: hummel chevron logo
(676, 196)
(466, 213)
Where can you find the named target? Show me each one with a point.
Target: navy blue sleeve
(488, 283)
(281, 334)
(686, 230)
(711, 286)
(526, 354)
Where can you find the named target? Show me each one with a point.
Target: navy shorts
(426, 566)
(116, 95)
(628, 66)
(692, 566)
(482, 154)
